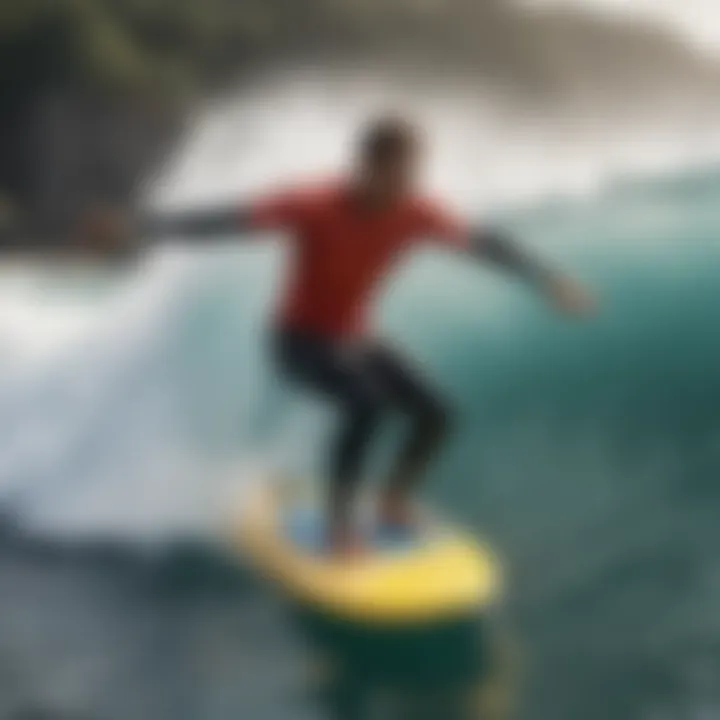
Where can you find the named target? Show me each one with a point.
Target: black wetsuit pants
(367, 380)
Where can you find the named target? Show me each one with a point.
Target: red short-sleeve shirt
(342, 251)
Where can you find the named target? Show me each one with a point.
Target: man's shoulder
(431, 215)
(424, 206)
(318, 191)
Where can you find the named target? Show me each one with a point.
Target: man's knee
(433, 418)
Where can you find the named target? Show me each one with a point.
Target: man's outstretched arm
(196, 224)
(499, 249)
(284, 209)
(117, 232)
(114, 230)
(494, 246)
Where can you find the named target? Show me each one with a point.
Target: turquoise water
(586, 452)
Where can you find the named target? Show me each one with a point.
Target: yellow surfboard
(438, 573)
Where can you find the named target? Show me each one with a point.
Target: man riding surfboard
(345, 236)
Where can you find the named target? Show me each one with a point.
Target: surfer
(345, 236)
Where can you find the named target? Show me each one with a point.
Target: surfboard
(437, 573)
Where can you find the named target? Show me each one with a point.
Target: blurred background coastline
(96, 93)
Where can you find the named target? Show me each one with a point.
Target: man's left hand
(570, 297)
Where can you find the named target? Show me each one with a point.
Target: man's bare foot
(347, 544)
(397, 512)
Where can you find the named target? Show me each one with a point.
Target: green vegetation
(138, 44)
(65, 65)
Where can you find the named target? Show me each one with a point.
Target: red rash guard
(342, 251)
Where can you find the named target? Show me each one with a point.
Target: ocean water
(134, 406)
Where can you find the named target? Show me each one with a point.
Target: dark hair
(387, 137)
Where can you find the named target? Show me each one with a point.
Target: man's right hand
(105, 231)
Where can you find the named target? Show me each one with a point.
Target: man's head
(389, 157)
